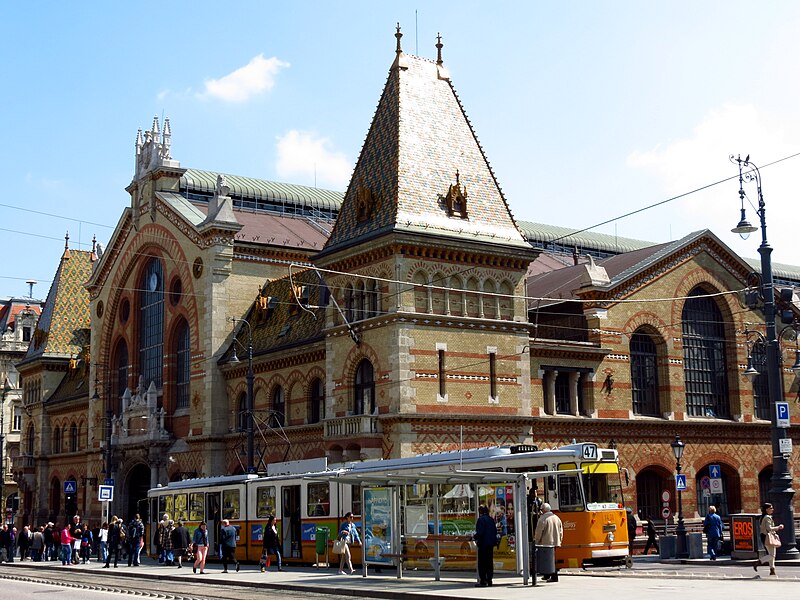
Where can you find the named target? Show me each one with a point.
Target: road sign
(70, 487)
(714, 471)
(666, 512)
(665, 496)
(106, 493)
(706, 493)
(108, 482)
(782, 410)
(705, 482)
(785, 445)
(716, 485)
(680, 482)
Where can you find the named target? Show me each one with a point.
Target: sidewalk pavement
(649, 578)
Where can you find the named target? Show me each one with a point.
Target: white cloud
(304, 154)
(686, 164)
(254, 78)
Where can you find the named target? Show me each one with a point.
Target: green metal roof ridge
(541, 232)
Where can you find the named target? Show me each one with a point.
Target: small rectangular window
(165, 505)
(493, 375)
(442, 375)
(265, 501)
(26, 334)
(17, 424)
(319, 500)
(230, 504)
(355, 490)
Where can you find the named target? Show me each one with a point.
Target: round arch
(729, 501)
(137, 483)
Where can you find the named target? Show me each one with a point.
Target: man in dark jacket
(227, 540)
(180, 542)
(5, 543)
(134, 539)
(486, 540)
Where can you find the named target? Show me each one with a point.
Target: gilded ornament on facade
(197, 267)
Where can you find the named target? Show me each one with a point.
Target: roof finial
(94, 248)
(66, 245)
(439, 46)
(398, 35)
(457, 177)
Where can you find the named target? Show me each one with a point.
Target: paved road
(649, 579)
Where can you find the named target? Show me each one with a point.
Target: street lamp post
(682, 550)
(781, 492)
(249, 416)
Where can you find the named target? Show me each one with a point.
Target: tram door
(213, 502)
(290, 521)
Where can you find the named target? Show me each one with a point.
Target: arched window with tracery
(761, 404)
(73, 438)
(182, 365)
(704, 357)
(364, 389)
(456, 296)
(421, 297)
(644, 374)
(57, 440)
(506, 300)
(151, 330)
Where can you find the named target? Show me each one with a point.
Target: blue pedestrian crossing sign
(714, 471)
(680, 482)
(106, 493)
(70, 487)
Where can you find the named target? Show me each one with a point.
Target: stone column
(550, 392)
(574, 378)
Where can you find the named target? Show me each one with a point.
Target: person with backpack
(135, 535)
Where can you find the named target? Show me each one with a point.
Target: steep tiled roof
(282, 323)
(63, 328)
(419, 139)
(75, 384)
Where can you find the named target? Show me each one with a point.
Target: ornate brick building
(424, 318)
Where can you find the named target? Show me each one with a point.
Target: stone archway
(137, 484)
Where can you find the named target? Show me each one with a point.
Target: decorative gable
(456, 200)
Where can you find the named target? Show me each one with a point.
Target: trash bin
(667, 546)
(695, 543)
(322, 540)
(545, 560)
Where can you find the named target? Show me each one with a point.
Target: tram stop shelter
(394, 521)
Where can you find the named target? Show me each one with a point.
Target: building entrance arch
(137, 483)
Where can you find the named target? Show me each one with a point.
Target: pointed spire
(439, 47)
(155, 130)
(398, 35)
(66, 246)
(139, 141)
(165, 139)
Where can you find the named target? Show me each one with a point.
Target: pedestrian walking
(769, 535)
(87, 539)
(631, 524)
(486, 539)
(135, 537)
(37, 544)
(270, 545)
(652, 536)
(66, 546)
(227, 538)
(5, 543)
(180, 542)
(166, 542)
(116, 538)
(103, 536)
(348, 533)
(24, 542)
(712, 527)
(549, 535)
(49, 547)
(200, 547)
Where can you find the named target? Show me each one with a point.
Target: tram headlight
(610, 537)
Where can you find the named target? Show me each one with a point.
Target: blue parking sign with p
(782, 414)
(680, 482)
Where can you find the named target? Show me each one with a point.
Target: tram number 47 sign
(680, 482)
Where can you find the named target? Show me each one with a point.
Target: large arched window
(279, 406)
(316, 409)
(151, 330)
(30, 440)
(73, 438)
(57, 440)
(364, 389)
(704, 360)
(650, 484)
(644, 375)
(182, 365)
(761, 382)
(120, 383)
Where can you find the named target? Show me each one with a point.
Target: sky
(586, 110)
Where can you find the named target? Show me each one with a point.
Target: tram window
(265, 501)
(165, 506)
(569, 493)
(196, 507)
(181, 511)
(355, 490)
(319, 500)
(230, 504)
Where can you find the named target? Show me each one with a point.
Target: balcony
(351, 426)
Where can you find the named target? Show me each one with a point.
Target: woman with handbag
(769, 535)
(270, 545)
(349, 535)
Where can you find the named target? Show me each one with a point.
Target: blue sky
(586, 110)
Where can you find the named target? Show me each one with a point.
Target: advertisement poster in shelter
(377, 525)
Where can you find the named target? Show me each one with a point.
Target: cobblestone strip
(95, 587)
